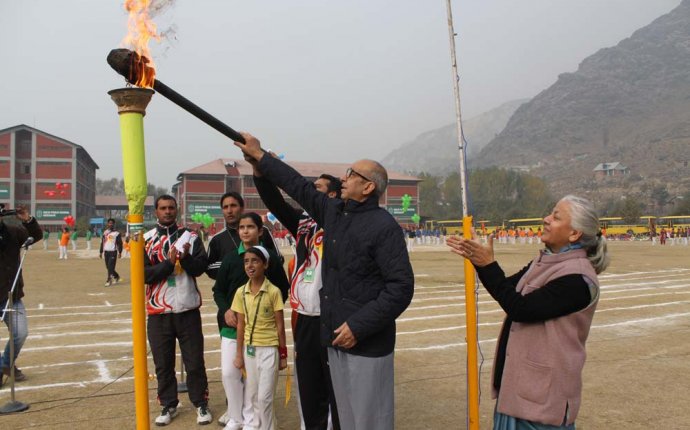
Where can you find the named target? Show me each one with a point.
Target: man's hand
(252, 147)
(230, 318)
(100, 256)
(172, 255)
(185, 251)
(119, 255)
(345, 338)
(283, 364)
(22, 213)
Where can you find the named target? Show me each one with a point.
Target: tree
(116, 187)
(430, 202)
(660, 196)
(630, 209)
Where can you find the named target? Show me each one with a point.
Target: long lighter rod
(471, 338)
(458, 110)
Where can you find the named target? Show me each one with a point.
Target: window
(27, 169)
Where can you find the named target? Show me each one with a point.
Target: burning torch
(136, 70)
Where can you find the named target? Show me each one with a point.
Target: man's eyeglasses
(351, 171)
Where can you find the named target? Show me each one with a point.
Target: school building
(50, 175)
(199, 189)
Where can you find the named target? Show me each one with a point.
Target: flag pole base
(13, 407)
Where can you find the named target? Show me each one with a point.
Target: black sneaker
(19, 376)
(166, 416)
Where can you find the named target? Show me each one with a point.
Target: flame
(141, 29)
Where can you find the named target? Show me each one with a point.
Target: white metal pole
(458, 111)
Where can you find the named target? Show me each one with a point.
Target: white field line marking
(84, 384)
(57, 308)
(448, 298)
(598, 326)
(421, 275)
(410, 349)
(52, 333)
(654, 305)
(104, 374)
(109, 332)
(79, 314)
(643, 320)
(52, 327)
(418, 287)
(618, 275)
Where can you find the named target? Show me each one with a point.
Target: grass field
(78, 355)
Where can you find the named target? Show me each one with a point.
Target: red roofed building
(50, 175)
(199, 189)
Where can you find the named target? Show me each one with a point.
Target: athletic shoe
(203, 415)
(19, 376)
(117, 280)
(223, 420)
(166, 416)
(108, 283)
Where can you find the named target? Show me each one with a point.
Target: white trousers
(63, 252)
(260, 387)
(233, 385)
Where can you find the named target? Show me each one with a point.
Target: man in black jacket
(367, 283)
(12, 237)
(316, 397)
(228, 239)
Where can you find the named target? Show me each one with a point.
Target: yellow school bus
(616, 225)
(674, 221)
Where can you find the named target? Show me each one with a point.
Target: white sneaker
(223, 420)
(166, 416)
(233, 425)
(203, 415)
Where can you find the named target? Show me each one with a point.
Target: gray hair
(583, 218)
(379, 177)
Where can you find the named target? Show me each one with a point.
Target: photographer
(12, 238)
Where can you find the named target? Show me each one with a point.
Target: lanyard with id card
(251, 350)
(309, 275)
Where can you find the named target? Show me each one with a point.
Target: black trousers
(313, 375)
(110, 258)
(163, 331)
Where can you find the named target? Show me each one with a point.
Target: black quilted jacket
(367, 276)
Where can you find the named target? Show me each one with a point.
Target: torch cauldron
(131, 105)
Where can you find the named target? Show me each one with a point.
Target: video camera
(6, 212)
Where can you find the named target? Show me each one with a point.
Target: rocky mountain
(436, 151)
(629, 104)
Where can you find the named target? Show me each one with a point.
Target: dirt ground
(78, 355)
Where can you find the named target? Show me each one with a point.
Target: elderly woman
(540, 353)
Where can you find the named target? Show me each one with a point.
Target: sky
(315, 80)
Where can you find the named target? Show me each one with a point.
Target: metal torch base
(13, 407)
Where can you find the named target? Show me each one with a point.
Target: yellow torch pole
(472, 338)
(131, 104)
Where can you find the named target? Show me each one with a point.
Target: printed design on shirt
(159, 295)
(311, 237)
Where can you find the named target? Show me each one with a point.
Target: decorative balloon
(207, 219)
(415, 218)
(69, 220)
(204, 219)
(406, 200)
